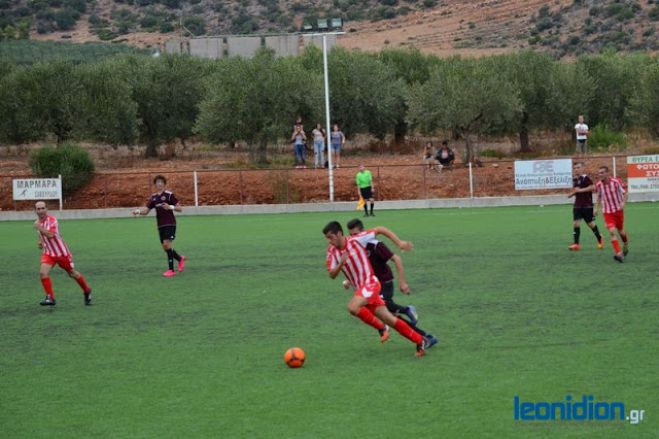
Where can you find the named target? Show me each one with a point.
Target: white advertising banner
(543, 174)
(643, 173)
(38, 189)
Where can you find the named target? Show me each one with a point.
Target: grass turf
(200, 355)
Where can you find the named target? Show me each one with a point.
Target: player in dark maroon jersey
(583, 206)
(165, 203)
(379, 255)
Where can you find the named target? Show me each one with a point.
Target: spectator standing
(581, 130)
(319, 136)
(299, 139)
(337, 140)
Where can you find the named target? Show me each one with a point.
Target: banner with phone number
(643, 173)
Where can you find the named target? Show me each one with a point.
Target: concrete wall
(245, 47)
(174, 46)
(317, 40)
(535, 200)
(284, 45)
(212, 48)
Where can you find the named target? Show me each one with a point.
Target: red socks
(616, 245)
(83, 284)
(624, 238)
(48, 287)
(367, 317)
(407, 332)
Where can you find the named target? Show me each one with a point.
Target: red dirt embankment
(395, 177)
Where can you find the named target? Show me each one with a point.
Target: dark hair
(444, 142)
(332, 227)
(355, 223)
(606, 168)
(161, 178)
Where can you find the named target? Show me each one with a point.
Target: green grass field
(200, 355)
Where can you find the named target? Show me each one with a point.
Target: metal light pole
(328, 119)
(328, 129)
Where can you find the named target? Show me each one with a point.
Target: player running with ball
(347, 254)
(165, 203)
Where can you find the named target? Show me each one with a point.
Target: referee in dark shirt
(583, 206)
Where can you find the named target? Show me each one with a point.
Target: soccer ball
(294, 357)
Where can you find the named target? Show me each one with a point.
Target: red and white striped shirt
(357, 268)
(612, 194)
(55, 246)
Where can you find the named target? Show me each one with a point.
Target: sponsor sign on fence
(543, 174)
(643, 173)
(38, 189)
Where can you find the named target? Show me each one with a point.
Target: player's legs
(80, 279)
(576, 229)
(167, 236)
(613, 223)
(403, 328)
(620, 225)
(372, 201)
(44, 273)
(357, 307)
(593, 227)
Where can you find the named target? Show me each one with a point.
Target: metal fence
(277, 186)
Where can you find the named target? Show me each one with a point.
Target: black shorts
(167, 233)
(387, 290)
(367, 192)
(583, 213)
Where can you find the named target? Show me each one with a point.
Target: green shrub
(70, 161)
(604, 138)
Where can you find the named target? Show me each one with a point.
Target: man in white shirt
(582, 136)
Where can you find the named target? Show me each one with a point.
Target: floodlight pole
(328, 129)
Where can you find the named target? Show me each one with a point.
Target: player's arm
(598, 204)
(175, 208)
(336, 269)
(403, 245)
(141, 211)
(48, 233)
(402, 282)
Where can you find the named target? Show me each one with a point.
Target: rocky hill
(563, 27)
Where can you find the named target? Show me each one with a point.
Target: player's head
(355, 226)
(578, 167)
(160, 181)
(362, 167)
(41, 209)
(603, 172)
(334, 233)
(581, 118)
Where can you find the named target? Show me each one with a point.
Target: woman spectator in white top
(337, 139)
(318, 146)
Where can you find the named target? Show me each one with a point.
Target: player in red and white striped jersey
(611, 196)
(347, 254)
(55, 251)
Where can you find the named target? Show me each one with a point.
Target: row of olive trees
(135, 99)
